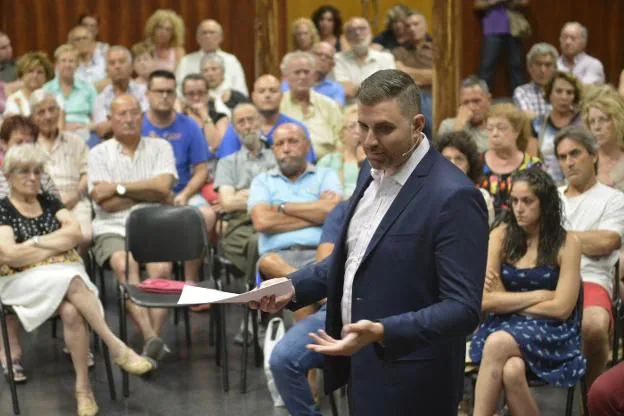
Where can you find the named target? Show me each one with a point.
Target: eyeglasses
(163, 92)
(26, 172)
(326, 56)
(199, 93)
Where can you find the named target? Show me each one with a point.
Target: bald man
(288, 204)
(266, 96)
(125, 171)
(209, 38)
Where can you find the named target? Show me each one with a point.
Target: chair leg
(109, 372)
(211, 328)
(569, 401)
(187, 327)
(125, 384)
(224, 351)
(332, 404)
(256, 342)
(9, 360)
(584, 395)
(245, 350)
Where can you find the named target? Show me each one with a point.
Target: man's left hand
(356, 336)
(103, 190)
(180, 199)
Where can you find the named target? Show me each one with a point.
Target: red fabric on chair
(162, 286)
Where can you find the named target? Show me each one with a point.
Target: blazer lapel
(406, 194)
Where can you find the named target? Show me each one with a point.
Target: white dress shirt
(586, 68)
(234, 74)
(375, 203)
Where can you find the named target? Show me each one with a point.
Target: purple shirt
(495, 21)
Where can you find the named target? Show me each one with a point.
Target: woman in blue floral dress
(530, 297)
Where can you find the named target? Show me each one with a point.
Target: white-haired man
(541, 64)
(573, 57)
(210, 37)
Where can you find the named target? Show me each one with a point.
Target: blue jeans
(492, 47)
(290, 362)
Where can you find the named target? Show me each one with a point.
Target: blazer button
(358, 299)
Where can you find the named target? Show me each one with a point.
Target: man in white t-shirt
(595, 212)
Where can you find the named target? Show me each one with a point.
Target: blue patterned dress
(551, 348)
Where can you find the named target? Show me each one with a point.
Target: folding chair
(618, 314)
(8, 310)
(168, 234)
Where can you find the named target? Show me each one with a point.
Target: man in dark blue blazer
(405, 280)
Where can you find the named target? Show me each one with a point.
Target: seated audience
(8, 70)
(346, 161)
(510, 135)
(77, 96)
(209, 38)
(606, 397)
(189, 149)
(530, 296)
(289, 203)
(459, 148)
(541, 64)
(563, 92)
(119, 69)
(199, 106)
(303, 34)
(603, 115)
(328, 23)
(395, 33)
(127, 172)
(266, 97)
(66, 161)
(595, 213)
(587, 69)
(474, 99)
(17, 130)
(320, 114)
(415, 57)
(42, 274)
(232, 181)
(34, 69)
(91, 61)
(143, 58)
(290, 360)
(358, 63)
(92, 22)
(165, 30)
(213, 70)
(324, 54)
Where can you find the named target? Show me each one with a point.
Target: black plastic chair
(168, 234)
(8, 310)
(618, 315)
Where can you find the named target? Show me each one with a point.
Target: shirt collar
(120, 148)
(277, 172)
(405, 171)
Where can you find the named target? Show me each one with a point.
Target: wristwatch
(35, 240)
(121, 190)
(281, 208)
(207, 121)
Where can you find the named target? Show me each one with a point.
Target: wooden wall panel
(603, 19)
(44, 24)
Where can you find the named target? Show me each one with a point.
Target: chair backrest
(164, 233)
(615, 294)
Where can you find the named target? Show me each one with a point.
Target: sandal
(156, 348)
(90, 360)
(18, 372)
(86, 404)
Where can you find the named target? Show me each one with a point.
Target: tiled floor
(188, 382)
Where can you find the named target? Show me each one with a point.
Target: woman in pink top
(165, 30)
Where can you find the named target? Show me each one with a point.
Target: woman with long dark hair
(531, 290)
(328, 22)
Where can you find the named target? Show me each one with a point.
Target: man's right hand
(464, 115)
(272, 304)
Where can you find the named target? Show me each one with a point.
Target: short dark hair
(17, 123)
(578, 134)
(388, 84)
(193, 77)
(160, 73)
(464, 143)
(568, 77)
(318, 14)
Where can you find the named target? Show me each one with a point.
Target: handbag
(162, 286)
(519, 26)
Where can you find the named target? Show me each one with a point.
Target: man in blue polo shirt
(266, 96)
(189, 148)
(289, 203)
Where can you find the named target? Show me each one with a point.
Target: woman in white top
(34, 69)
(460, 148)
(42, 274)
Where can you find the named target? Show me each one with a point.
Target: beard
(250, 139)
(290, 166)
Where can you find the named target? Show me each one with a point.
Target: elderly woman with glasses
(213, 69)
(42, 274)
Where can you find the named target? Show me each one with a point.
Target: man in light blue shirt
(288, 204)
(266, 96)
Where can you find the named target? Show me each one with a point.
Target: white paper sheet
(192, 295)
